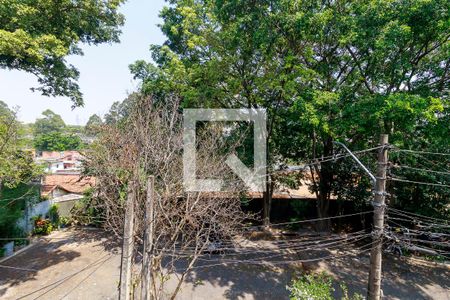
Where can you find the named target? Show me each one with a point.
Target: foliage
(86, 211)
(53, 214)
(16, 165)
(317, 287)
(51, 122)
(56, 141)
(36, 37)
(150, 143)
(8, 219)
(12, 203)
(93, 125)
(120, 111)
(325, 71)
(74, 129)
(42, 226)
(65, 221)
(16, 169)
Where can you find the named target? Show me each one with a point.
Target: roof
(72, 183)
(71, 155)
(68, 197)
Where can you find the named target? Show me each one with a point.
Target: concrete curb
(18, 252)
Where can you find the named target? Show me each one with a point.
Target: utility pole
(374, 288)
(127, 246)
(147, 260)
(379, 181)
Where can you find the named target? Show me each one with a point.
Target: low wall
(41, 208)
(64, 207)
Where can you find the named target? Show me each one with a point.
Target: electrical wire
(421, 170)
(403, 212)
(361, 250)
(252, 249)
(421, 152)
(419, 182)
(312, 220)
(64, 279)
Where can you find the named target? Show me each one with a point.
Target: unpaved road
(82, 264)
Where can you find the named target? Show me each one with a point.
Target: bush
(54, 214)
(64, 221)
(317, 287)
(13, 202)
(42, 226)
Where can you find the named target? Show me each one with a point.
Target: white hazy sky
(104, 74)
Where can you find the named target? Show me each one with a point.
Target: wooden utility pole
(147, 265)
(127, 247)
(374, 288)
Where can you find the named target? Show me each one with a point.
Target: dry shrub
(150, 142)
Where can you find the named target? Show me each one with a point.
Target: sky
(104, 74)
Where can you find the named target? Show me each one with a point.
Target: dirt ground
(83, 264)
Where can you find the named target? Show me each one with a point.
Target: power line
(416, 217)
(422, 170)
(86, 277)
(422, 152)
(19, 269)
(419, 182)
(421, 158)
(313, 162)
(65, 278)
(252, 249)
(317, 161)
(418, 222)
(362, 250)
(313, 220)
(414, 214)
(287, 241)
(328, 246)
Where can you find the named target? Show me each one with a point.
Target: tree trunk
(325, 180)
(267, 200)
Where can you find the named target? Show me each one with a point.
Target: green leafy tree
(51, 122)
(17, 168)
(93, 125)
(16, 165)
(56, 141)
(36, 37)
(113, 114)
(119, 111)
(325, 71)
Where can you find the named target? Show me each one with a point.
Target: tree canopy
(37, 35)
(93, 125)
(16, 164)
(51, 122)
(325, 71)
(57, 141)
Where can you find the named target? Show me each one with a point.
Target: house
(57, 185)
(60, 162)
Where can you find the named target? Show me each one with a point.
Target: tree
(185, 223)
(93, 125)
(37, 36)
(50, 123)
(17, 168)
(325, 71)
(119, 111)
(16, 165)
(57, 141)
